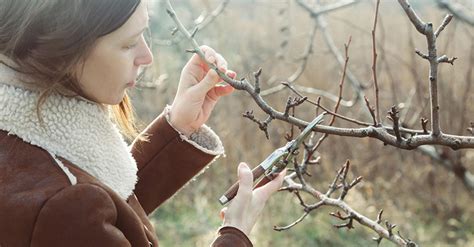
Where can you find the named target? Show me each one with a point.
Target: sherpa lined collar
(74, 128)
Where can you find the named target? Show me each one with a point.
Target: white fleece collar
(75, 129)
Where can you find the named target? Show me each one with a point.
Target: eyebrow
(143, 30)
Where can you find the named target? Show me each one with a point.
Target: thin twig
(341, 87)
(201, 23)
(427, 30)
(424, 122)
(371, 110)
(263, 125)
(461, 12)
(443, 25)
(301, 68)
(374, 65)
(351, 214)
(319, 18)
(393, 116)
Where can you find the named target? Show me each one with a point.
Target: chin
(114, 101)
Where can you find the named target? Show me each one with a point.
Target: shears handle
(265, 180)
(232, 191)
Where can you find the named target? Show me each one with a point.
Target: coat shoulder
(28, 168)
(29, 176)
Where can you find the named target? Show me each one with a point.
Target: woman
(67, 178)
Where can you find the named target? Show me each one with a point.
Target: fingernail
(211, 59)
(242, 165)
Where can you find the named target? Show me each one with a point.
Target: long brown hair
(46, 39)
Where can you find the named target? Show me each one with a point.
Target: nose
(144, 57)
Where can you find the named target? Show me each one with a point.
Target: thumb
(244, 193)
(207, 83)
(222, 213)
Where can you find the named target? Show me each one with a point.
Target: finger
(221, 63)
(278, 181)
(210, 54)
(222, 213)
(244, 193)
(264, 192)
(207, 83)
(220, 90)
(231, 74)
(265, 180)
(208, 106)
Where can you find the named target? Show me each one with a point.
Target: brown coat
(40, 207)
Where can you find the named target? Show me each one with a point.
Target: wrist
(238, 226)
(185, 131)
(178, 126)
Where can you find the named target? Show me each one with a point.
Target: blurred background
(426, 196)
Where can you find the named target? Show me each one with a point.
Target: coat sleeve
(169, 160)
(79, 215)
(231, 237)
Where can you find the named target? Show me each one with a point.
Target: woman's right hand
(247, 205)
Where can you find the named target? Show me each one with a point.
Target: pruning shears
(273, 164)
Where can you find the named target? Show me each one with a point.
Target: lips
(131, 83)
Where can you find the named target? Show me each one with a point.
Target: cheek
(104, 77)
(118, 69)
(110, 70)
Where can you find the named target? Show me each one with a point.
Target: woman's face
(112, 66)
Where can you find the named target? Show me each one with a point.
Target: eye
(131, 46)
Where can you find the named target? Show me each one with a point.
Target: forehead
(137, 21)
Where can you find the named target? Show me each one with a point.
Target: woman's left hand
(197, 91)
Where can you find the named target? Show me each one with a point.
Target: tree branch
(458, 10)
(319, 19)
(427, 30)
(351, 215)
(200, 24)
